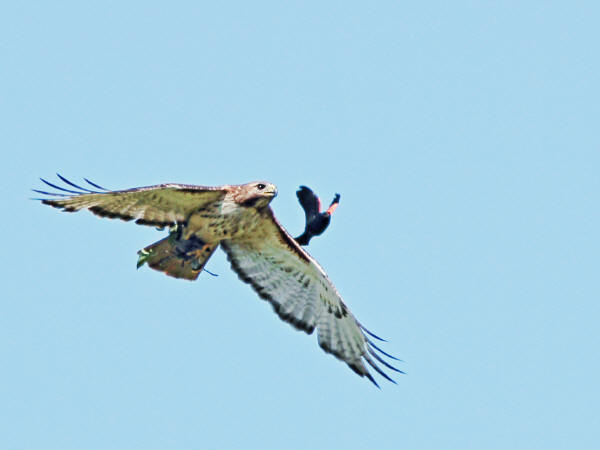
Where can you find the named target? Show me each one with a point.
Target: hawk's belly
(213, 227)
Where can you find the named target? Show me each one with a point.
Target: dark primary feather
(377, 369)
(381, 351)
(382, 361)
(60, 188)
(95, 185)
(82, 190)
(49, 193)
(73, 184)
(371, 347)
(371, 334)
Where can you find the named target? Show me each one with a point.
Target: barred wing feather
(159, 205)
(281, 272)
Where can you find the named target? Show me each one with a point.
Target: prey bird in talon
(316, 221)
(238, 219)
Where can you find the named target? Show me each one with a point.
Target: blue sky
(463, 139)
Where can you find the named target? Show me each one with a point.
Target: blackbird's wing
(309, 202)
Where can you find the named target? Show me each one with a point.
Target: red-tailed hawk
(262, 253)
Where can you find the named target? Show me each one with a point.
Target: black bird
(316, 221)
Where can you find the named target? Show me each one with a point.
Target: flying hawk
(237, 218)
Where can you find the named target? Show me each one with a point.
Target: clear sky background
(463, 139)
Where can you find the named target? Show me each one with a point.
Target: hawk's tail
(177, 258)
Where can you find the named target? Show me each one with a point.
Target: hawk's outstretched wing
(159, 205)
(280, 271)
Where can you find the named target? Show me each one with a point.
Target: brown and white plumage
(262, 253)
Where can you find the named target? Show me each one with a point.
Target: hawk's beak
(272, 191)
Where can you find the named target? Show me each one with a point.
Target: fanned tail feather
(176, 258)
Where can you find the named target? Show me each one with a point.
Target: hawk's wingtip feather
(377, 369)
(372, 344)
(58, 187)
(382, 361)
(54, 194)
(80, 190)
(95, 185)
(372, 380)
(70, 183)
(371, 334)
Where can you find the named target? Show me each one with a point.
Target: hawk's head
(257, 194)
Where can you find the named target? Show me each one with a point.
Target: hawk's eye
(260, 186)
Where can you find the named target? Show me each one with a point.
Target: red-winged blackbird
(316, 221)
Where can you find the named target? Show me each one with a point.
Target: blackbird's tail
(304, 238)
(177, 257)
